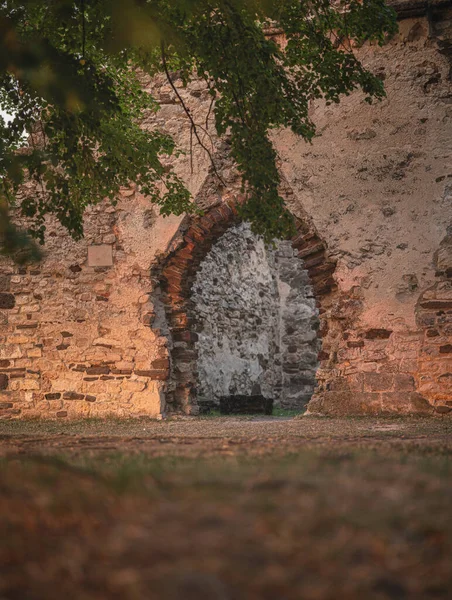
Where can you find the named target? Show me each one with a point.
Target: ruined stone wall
(377, 183)
(102, 326)
(75, 330)
(255, 318)
(76, 339)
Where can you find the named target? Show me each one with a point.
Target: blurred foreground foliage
(69, 80)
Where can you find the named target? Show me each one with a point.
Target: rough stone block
(100, 256)
(133, 386)
(445, 378)
(98, 370)
(446, 349)
(431, 333)
(378, 382)
(18, 339)
(61, 385)
(378, 334)
(3, 381)
(34, 353)
(437, 304)
(24, 385)
(148, 402)
(160, 364)
(443, 409)
(5, 282)
(7, 300)
(78, 409)
(405, 403)
(154, 374)
(355, 344)
(73, 396)
(404, 382)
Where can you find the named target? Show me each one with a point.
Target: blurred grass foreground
(226, 508)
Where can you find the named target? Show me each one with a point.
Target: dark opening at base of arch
(245, 405)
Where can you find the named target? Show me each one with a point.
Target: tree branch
(194, 126)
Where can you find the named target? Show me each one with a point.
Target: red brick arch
(175, 274)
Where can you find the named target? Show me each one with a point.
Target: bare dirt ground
(226, 509)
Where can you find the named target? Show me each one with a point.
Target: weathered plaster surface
(377, 181)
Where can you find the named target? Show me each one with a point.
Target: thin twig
(191, 149)
(188, 113)
(209, 111)
(206, 133)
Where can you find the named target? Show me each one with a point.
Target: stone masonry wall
(299, 325)
(236, 307)
(75, 337)
(254, 315)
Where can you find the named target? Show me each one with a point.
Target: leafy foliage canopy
(69, 78)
